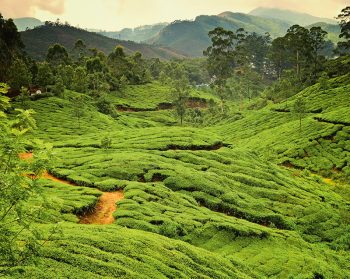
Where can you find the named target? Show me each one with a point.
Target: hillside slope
(191, 37)
(251, 196)
(39, 39)
(138, 34)
(290, 16)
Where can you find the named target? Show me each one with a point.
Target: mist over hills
(292, 17)
(183, 37)
(24, 23)
(138, 34)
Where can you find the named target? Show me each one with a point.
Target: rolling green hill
(138, 34)
(248, 196)
(39, 39)
(292, 17)
(191, 37)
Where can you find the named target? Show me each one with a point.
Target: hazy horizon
(118, 14)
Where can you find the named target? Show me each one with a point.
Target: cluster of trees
(291, 62)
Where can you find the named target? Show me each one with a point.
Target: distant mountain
(24, 23)
(39, 39)
(333, 30)
(293, 17)
(191, 37)
(138, 34)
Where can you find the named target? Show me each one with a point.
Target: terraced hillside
(248, 196)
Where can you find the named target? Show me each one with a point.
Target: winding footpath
(102, 214)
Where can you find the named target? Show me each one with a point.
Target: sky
(114, 15)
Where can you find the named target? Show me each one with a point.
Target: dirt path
(26, 156)
(106, 205)
(103, 212)
(49, 176)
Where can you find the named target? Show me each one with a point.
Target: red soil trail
(49, 176)
(26, 156)
(106, 205)
(103, 212)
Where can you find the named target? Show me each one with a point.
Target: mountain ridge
(39, 39)
(291, 16)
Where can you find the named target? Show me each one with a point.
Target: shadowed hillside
(39, 39)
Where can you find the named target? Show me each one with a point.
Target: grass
(240, 197)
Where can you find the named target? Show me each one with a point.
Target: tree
(18, 240)
(24, 97)
(277, 56)
(180, 87)
(106, 143)
(79, 105)
(58, 88)
(119, 64)
(19, 75)
(344, 18)
(11, 46)
(298, 41)
(44, 76)
(318, 42)
(139, 72)
(323, 81)
(94, 65)
(57, 55)
(105, 106)
(67, 75)
(300, 109)
(163, 78)
(255, 47)
(221, 59)
(80, 51)
(80, 82)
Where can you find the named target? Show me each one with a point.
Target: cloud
(21, 8)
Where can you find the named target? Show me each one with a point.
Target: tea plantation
(249, 195)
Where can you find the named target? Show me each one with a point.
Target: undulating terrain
(217, 147)
(245, 197)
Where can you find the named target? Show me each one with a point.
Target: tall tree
(80, 51)
(344, 18)
(19, 75)
(221, 59)
(318, 42)
(298, 41)
(181, 88)
(277, 55)
(11, 46)
(118, 63)
(80, 82)
(44, 76)
(57, 55)
(256, 48)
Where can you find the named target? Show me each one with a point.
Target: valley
(203, 149)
